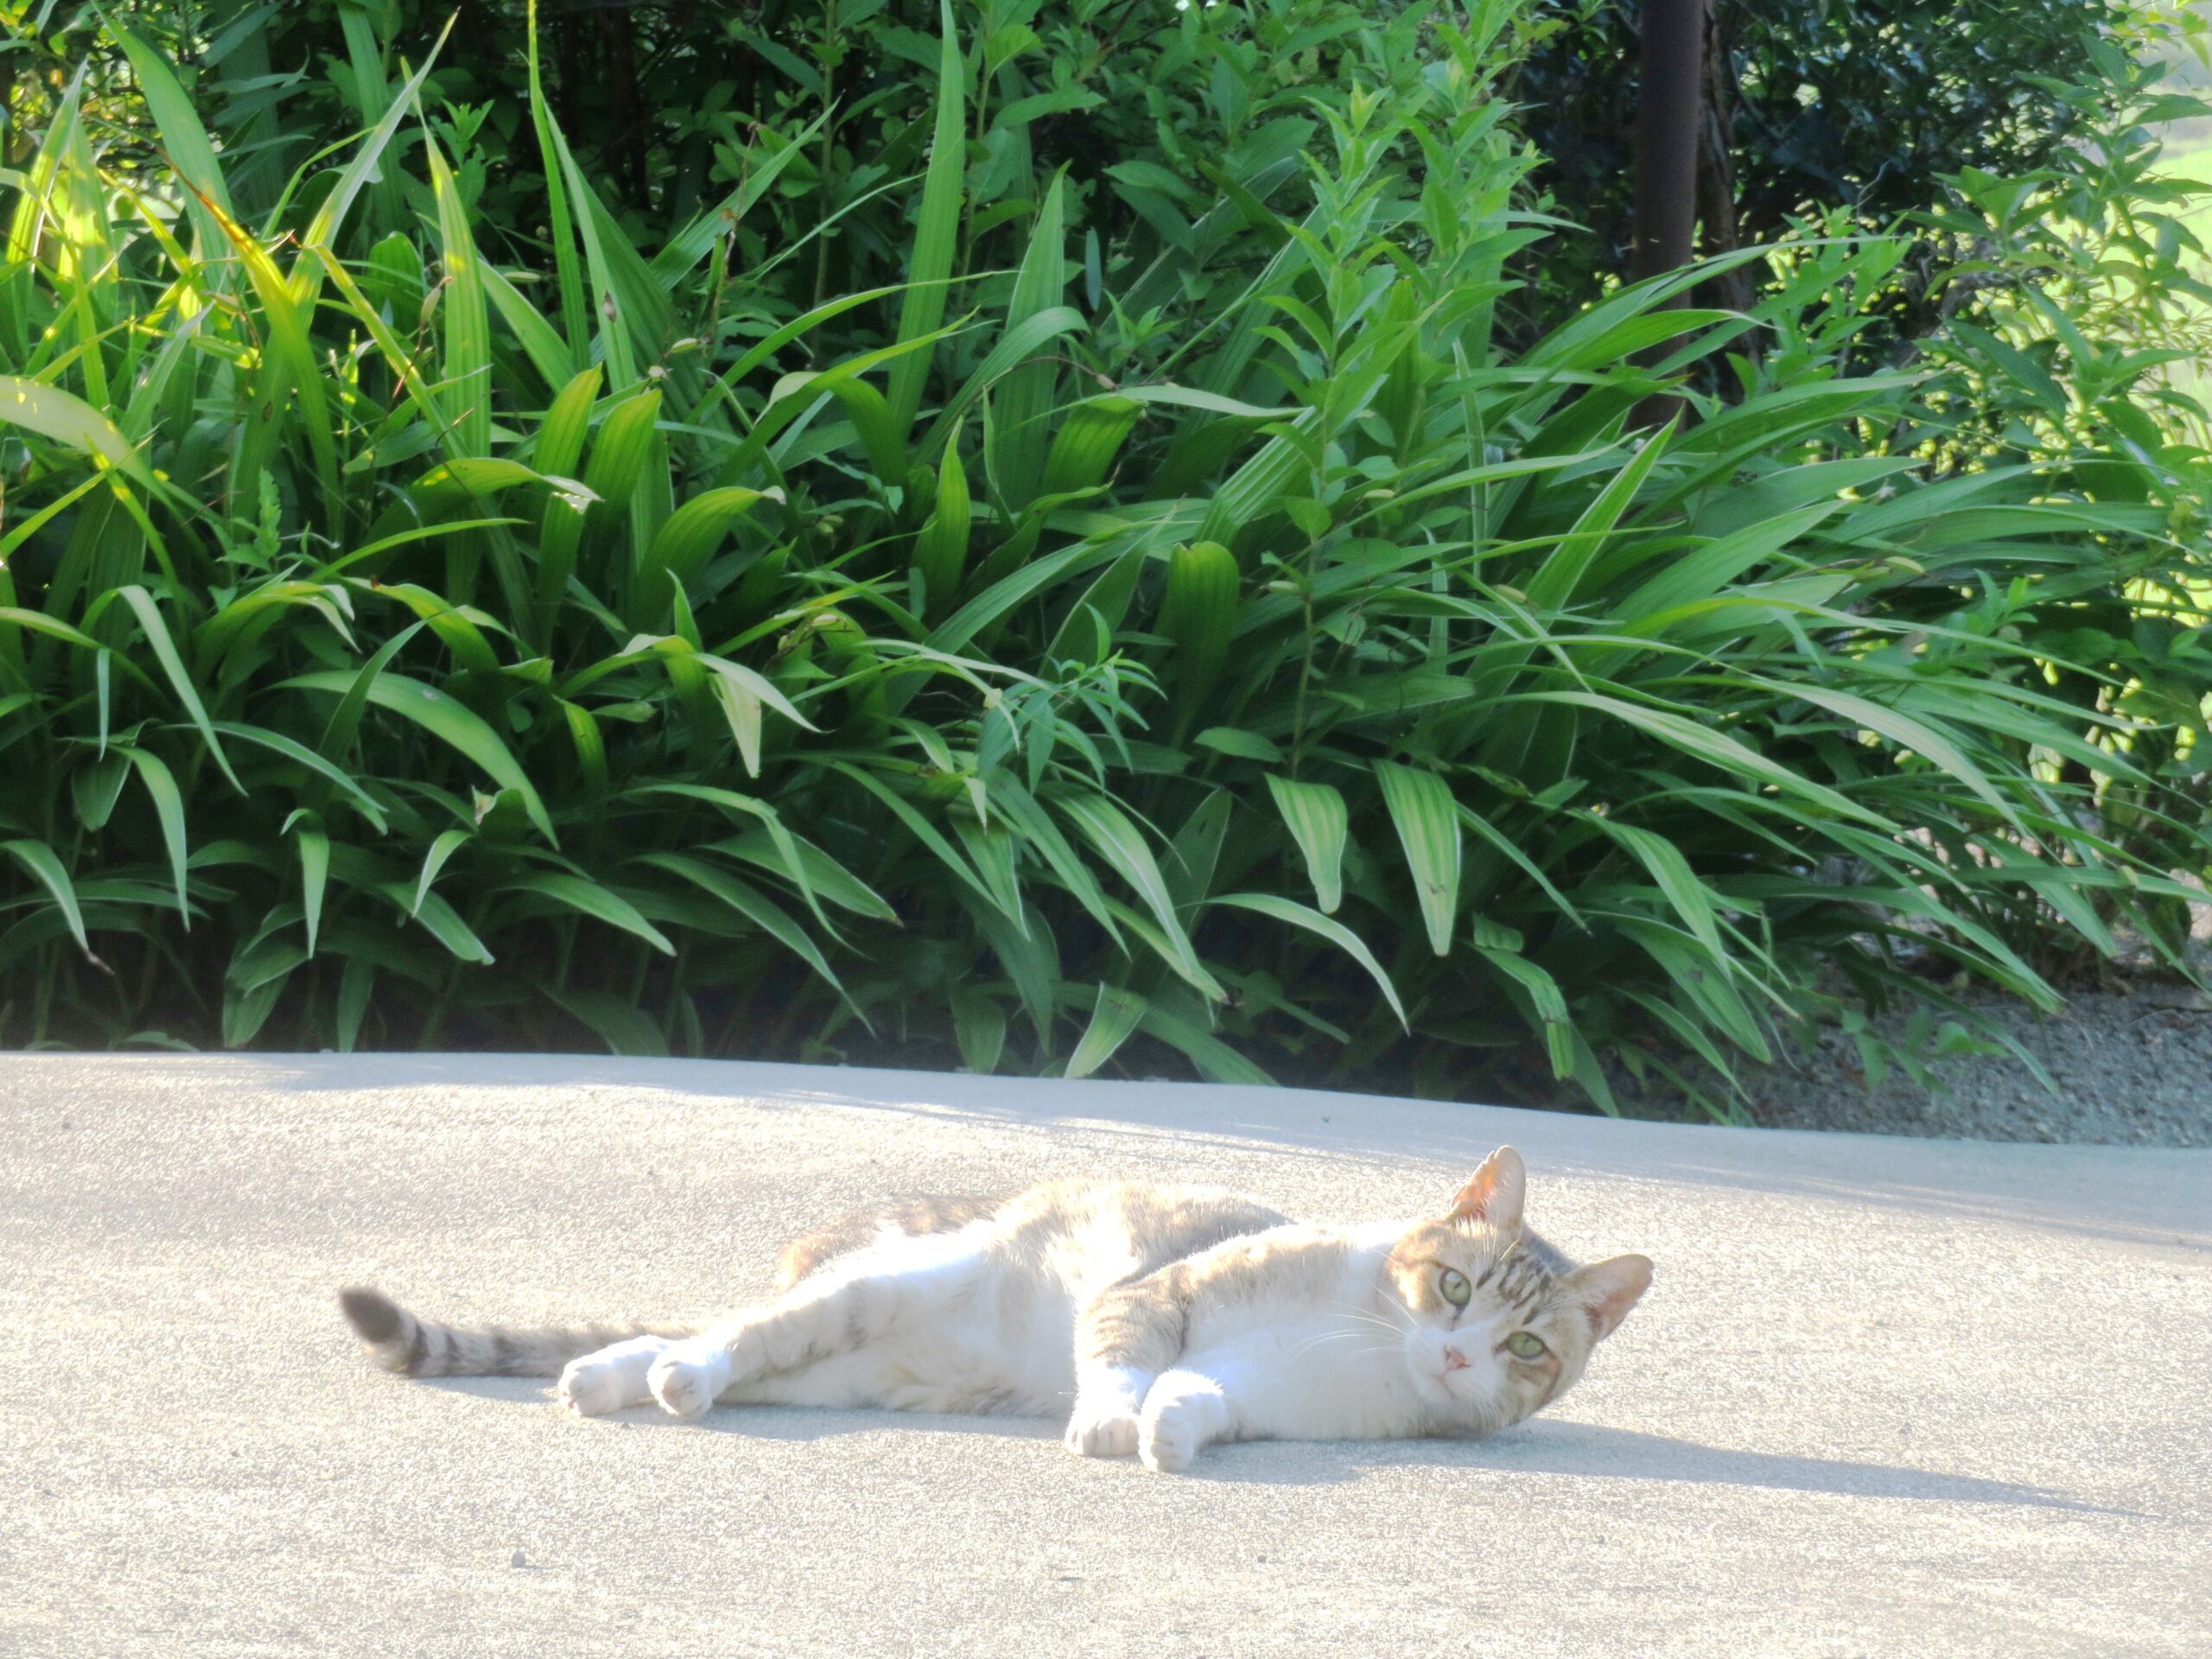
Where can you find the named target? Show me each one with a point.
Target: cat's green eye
(1525, 1344)
(1453, 1286)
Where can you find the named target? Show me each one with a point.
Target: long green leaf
(752, 904)
(184, 139)
(1545, 997)
(1671, 871)
(463, 326)
(979, 1026)
(576, 327)
(300, 754)
(1922, 737)
(937, 231)
(1114, 1018)
(1716, 747)
(1318, 822)
(588, 899)
(682, 548)
(452, 722)
(165, 653)
(1108, 828)
(1285, 910)
(356, 985)
(1556, 581)
(315, 875)
(1427, 822)
(37, 858)
(1025, 398)
(168, 813)
(623, 1026)
(449, 843)
(65, 418)
(386, 112)
(1215, 1061)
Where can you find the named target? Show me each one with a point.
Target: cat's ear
(1608, 1289)
(1493, 1193)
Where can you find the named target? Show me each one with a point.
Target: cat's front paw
(1108, 1430)
(685, 1386)
(1167, 1440)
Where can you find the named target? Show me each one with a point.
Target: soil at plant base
(2129, 1062)
(2131, 1068)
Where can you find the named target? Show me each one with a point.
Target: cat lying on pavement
(1155, 1320)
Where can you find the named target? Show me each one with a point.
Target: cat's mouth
(1433, 1386)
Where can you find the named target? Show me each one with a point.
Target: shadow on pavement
(1592, 1451)
(1587, 1451)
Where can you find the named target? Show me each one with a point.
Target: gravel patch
(2131, 1069)
(2126, 1063)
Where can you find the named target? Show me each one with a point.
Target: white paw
(685, 1388)
(609, 1379)
(1167, 1442)
(1106, 1430)
(591, 1387)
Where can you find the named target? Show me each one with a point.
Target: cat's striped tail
(398, 1341)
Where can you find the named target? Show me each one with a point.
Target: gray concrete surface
(1887, 1397)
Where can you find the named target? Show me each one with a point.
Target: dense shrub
(1865, 104)
(664, 109)
(1148, 613)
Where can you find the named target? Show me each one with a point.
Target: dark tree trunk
(1669, 102)
(619, 64)
(480, 32)
(1716, 170)
(569, 59)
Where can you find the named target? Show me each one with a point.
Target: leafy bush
(1169, 631)
(1867, 104)
(1860, 113)
(665, 109)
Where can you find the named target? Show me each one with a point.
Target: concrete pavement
(1886, 1396)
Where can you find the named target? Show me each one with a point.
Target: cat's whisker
(1372, 1353)
(1399, 1302)
(1347, 1311)
(1379, 1323)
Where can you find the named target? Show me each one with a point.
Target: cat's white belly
(970, 1335)
(910, 1376)
(1008, 1348)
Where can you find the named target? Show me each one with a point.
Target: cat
(1155, 1320)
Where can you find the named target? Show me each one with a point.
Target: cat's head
(1497, 1324)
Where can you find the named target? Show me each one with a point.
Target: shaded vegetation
(1104, 541)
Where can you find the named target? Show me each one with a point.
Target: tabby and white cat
(1155, 1318)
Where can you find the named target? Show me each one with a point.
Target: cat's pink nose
(1455, 1360)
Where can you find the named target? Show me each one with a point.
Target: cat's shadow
(1546, 1446)
(1598, 1451)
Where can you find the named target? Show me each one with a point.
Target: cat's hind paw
(685, 1386)
(1108, 1431)
(593, 1385)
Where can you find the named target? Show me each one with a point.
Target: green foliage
(709, 641)
(1866, 107)
(1864, 104)
(822, 118)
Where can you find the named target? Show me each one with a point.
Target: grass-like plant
(1218, 648)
